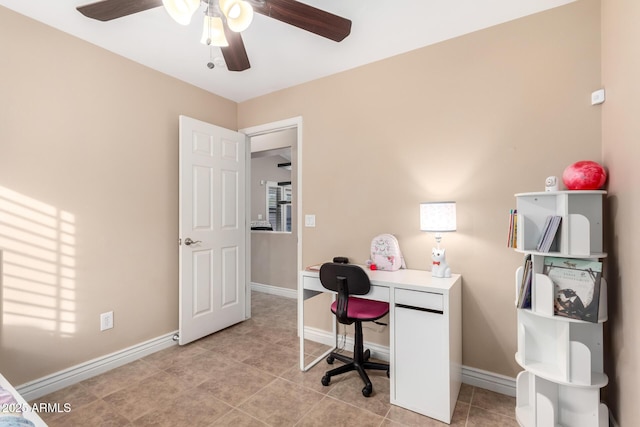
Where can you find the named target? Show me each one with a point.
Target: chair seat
(364, 309)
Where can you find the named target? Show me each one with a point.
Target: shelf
(533, 408)
(565, 352)
(546, 371)
(560, 351)
(594, 255)
(574, 238)
(556, 193)
(562, 357)
(545, 403)
(543, 296)
(561, 318)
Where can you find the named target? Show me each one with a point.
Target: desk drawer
(312, 283)
(378, 293)
(427, 300)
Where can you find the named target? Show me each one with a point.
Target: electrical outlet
(106, 321)
(309, 220)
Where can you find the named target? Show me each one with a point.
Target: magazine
(576, 285)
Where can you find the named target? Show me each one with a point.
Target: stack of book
(549, 231)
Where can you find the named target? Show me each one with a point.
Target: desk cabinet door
(421, 371)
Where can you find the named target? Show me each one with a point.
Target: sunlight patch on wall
(37, 242)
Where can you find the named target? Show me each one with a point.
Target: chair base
(359, 362)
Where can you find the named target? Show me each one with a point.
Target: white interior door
(212, 229)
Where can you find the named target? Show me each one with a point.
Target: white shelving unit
(562, 357)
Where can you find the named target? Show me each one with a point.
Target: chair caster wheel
(330, 360)
(325, 380)
(366, 392)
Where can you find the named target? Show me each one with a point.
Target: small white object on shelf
(551, 183)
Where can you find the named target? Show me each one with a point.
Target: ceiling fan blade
(235, 54)
(107, 10)
(306, 17)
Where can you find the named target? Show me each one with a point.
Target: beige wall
(87, 148)
(621, 153)
(475, 120)
(88, 197)
(273, 259)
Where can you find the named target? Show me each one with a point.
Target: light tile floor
(248, 375)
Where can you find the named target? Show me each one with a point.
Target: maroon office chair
(347, 280)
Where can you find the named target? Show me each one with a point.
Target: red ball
(584, 175)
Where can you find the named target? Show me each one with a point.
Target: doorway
(275, 257)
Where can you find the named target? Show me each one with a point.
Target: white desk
(425, 320)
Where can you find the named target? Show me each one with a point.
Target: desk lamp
(438, 217)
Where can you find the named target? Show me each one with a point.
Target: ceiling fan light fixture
(181, 10)
(239, 14)
(234, 11)
(213, 32)
(225, 5)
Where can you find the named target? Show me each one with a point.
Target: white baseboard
(472, 376)
(489, 381)
(274, 290)
(61, 379)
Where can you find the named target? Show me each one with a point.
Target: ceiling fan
(292, 12)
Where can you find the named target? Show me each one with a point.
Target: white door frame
(294, 122)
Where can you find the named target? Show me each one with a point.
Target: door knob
(188, 241)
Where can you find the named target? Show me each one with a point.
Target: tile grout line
(466, 419)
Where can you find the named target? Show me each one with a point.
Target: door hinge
(179, 241)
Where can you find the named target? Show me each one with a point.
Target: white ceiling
(281, 55)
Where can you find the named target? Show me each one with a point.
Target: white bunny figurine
(440, 267)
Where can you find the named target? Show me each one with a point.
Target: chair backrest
(345, 279)
(355, 276)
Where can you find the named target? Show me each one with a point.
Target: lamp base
(439, 267)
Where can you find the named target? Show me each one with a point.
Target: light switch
(309, 220)
(597, 97)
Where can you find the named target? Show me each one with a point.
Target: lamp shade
(181, 10)
(213, 32)
(438, 216)
(239, 14)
